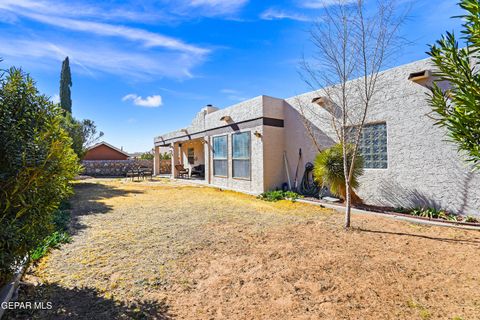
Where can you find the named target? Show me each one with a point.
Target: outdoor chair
(146, 172)
(132, 173)
(181, 171)
(199, 170)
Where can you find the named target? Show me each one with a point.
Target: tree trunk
(348, 189)
(348, 205)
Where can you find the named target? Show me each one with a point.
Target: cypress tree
(65, 84)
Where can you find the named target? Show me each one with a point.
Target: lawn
(167, 250)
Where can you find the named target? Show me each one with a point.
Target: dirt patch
(170, 250)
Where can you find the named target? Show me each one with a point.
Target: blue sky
(142, 68)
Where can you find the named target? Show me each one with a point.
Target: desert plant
(470, 219)
(277, 195)
(36, 166)
(328, 171)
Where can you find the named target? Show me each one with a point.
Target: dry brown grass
(169, 250)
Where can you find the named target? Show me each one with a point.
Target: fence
(113, 168)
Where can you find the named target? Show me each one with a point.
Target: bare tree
(352, 44)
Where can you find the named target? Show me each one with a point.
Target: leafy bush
(328, 171)
(36, 166)
(433, 213)
(52, 241)
(147, 156)
(277, 195)
(82, 132)
(165, 156)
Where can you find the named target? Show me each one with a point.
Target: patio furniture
(199, 170)
(146, 172)
(181, 171)
(132, 173)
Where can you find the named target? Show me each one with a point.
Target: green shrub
(277, 195)
(147, 156)
(328, 170)
(471, 219)
(36, 166)
(433, 213)
(51, 242)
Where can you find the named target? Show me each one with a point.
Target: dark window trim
(225, 129)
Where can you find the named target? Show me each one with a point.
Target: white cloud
(233, 95)
(229, 91)
(218, 7)
(149, 39)
(99, 56)
(136, 53)
(274, 14)
(149, 102)
(55, 98)
(121, 11)
(319, 4)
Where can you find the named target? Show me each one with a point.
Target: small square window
(372, 145)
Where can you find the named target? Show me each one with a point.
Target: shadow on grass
(451, 240)
(88, 201)
(84, 303)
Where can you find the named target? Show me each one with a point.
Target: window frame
(386, 142)
(249, 178)
(219, 159)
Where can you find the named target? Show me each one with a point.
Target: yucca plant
(328, 171)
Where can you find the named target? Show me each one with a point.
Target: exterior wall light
(257, 134)
(226, 118)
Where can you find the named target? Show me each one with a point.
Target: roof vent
(420, 75)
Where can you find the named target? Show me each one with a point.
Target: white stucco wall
(424, 169)
(273, 139)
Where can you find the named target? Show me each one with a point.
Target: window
(220, 167)
(241, 155)
(191, 156)
(373, 145)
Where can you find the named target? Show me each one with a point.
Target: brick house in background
(105, 151)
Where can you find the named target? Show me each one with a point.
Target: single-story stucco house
(409, 161)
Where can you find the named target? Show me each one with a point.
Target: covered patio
(188, 159)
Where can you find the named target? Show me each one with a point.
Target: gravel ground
(169, 250)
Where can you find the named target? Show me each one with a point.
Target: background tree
(82, 132)
(65, 84)
(350, 43)
(147, 156)
(458, 107)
